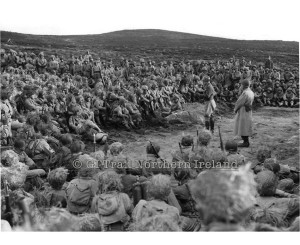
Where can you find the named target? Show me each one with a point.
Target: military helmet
(272, 164)
(152, 148)
(19, 143)
(187, 140)
(204, 137)
(144, 87)
(231, 146)
(263, 154)
(206, 79)
(57, 177)
(66, 139)
(116, 148)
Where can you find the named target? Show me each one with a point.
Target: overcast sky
(251, 19)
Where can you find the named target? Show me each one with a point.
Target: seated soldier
(113, 206)
(86, 127)
(85, 111)
(64, 152)
(81, 191)
(30, 103)
(158, 189)
(5, 132)
(133, 110)
(201, 150)
(56, 195)
(258, 96)
(19, 148)
(186, 146)
(235, 159)
(115, 158)
(268, 97)
(289, 98)
(120, 115)
(227, 186)
(99, 108)
(176, 105)
(40, 152)
(76, 149)
(190, 218)
(279, 97)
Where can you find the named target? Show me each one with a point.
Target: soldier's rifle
(221, 140)
(180, 147)
(155, 152)
(8, 211)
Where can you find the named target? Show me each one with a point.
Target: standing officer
(243, 110)
(210, 104)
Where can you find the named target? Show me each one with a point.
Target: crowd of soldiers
(49, 108)
(109, 191)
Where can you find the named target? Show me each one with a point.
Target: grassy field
(156, 45)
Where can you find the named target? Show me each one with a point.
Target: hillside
(156, 45)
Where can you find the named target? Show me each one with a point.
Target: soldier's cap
(289, 89)
(142, 60)
(144, 87)
(187, 140)
(204, 69)
(269, 88)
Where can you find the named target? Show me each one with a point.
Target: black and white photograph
(149, 116)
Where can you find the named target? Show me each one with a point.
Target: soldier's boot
(207, 124)
(245, 143)
(125, 124)
(212, 125)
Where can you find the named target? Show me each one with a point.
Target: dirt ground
(277, 128)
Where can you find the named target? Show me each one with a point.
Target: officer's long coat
(243, 119)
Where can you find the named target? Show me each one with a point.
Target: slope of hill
(156, 45)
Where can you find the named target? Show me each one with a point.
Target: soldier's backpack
(79, 192)
(111, 208)
(154, 207)
(31, 147)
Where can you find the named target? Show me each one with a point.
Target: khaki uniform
(41, 64)
(31, 105)
(243, 118)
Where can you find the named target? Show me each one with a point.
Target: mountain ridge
(156, 44)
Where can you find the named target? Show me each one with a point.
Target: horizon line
(91, 34)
